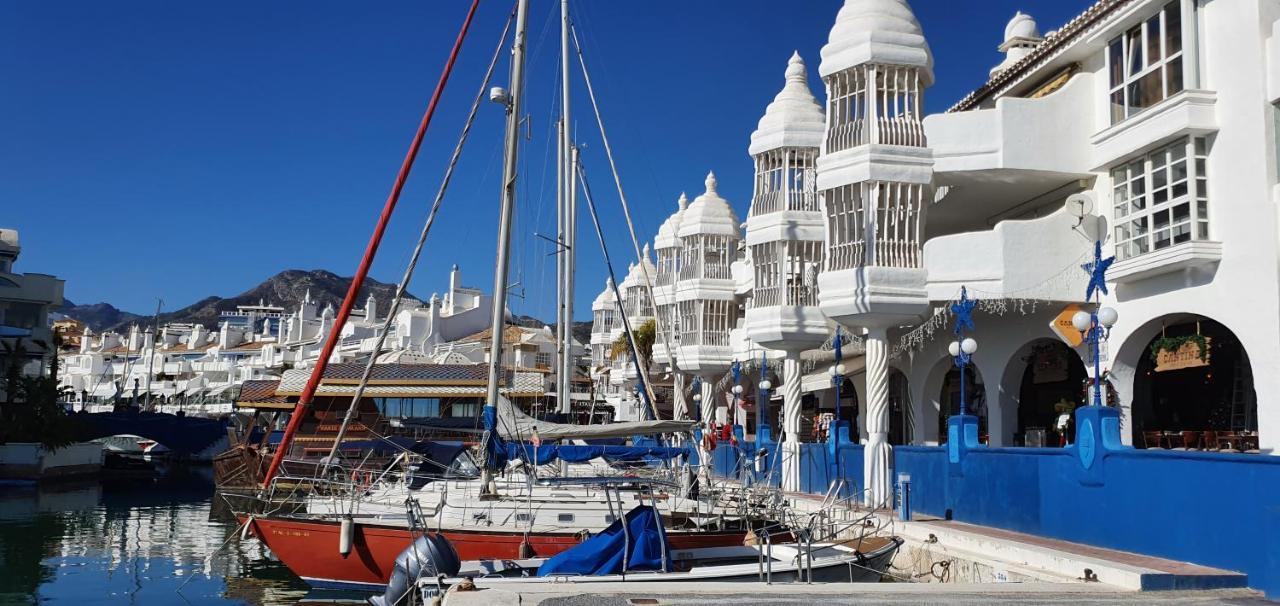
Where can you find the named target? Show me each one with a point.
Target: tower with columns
(785, 239)
(874, 179)
(704, 290)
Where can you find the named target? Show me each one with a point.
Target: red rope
(331, 341)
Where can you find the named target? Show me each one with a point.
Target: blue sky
(151, 148)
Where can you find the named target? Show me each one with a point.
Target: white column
(708, 410)
(791, 421)
(679, 405)
(878, 461)
(708, 403)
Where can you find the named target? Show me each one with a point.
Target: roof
(413, 380)
(253, 346)
(666, 237)
(606, 299)
(258, 392)
(709, 214)
(636, 271)
(885, 32)
(794, 119)
(510, 334)
(1052, 44)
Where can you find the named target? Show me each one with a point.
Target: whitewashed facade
(1151, 125)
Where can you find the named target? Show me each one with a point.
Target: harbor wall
(1220, 510)
(1209, 508)
(31, 461)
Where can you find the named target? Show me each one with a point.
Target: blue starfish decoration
(963, 309)
(1097, 270)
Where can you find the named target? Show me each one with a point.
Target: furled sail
(514, 425)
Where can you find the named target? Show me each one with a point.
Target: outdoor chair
(1209, 440)
(1151, 439)
(1191, 440)
(1228, 442)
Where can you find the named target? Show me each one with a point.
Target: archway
(1193, 388)
(1050, 386)
(901, 419)
(975, 397)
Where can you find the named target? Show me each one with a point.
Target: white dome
(635, 271)
(1021, 26)
(667, 234)
(794, 119)
(606, 299)
(876, 31)
(709, 214)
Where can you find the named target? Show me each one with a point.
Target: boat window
(523, 517)
(479, 516)
(463, 467)
(565, 517)
(609, 518)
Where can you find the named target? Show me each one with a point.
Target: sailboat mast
(501, 271)
(565, 371)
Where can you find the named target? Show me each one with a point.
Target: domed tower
(667, 247)
(602, 321)
(1021, 36)
(785, 239)
(638, 309)
(874, 178)
(705, 289)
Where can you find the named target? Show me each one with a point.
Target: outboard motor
(429, 556)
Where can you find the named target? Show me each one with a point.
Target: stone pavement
(914, 594)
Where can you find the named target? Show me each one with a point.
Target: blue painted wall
(1214, 509)
(1220, 510)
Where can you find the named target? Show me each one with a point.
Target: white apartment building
(191, 368)
(1149, 126)
(25, 302)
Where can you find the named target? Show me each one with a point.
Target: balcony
(989, 162)
(1037, 258)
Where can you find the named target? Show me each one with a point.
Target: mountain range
(286, 289)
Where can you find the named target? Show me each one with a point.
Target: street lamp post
(1096, 326)
(962, 351)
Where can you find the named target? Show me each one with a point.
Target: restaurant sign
(1061, 326)
(1187, 355)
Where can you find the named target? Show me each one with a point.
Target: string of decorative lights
(1068, 279)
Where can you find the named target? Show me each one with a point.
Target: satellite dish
(1080, 205)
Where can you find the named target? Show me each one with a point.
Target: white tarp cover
(514, 424)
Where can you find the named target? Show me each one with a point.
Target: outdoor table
(1173, 439)
(1232, 441)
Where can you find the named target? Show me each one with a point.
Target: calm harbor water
(137, 541)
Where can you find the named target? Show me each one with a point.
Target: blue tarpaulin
(548, 453)
(645, 543)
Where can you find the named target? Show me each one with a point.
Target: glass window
(1145, 63)
(1161, 199)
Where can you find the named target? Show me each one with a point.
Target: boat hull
(310, 548)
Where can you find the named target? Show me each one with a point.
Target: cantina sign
(1187, 355)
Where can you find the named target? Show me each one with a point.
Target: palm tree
(32, 410)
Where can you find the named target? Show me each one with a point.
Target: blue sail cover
(549, 453)
(602, 553)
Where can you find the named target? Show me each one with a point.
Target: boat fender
(431, 555)
(244, 530)
(526, 550)
(345, 536)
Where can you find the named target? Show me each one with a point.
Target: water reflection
(148, 541)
